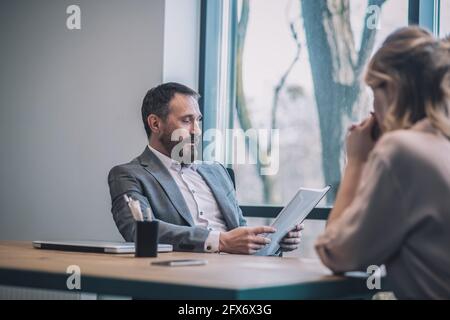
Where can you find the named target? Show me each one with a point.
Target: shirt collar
(169, 163)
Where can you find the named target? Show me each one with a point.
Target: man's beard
(183, 151)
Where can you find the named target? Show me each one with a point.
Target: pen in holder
(146, 239)
(146, 231)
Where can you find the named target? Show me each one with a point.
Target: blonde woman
(393, 206)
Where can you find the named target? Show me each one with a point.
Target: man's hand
(292, 239)
(244, 240)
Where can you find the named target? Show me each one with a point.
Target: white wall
(182, 42)
(70, 110)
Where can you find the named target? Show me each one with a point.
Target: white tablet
(294, 213)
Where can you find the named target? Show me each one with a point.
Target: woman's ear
(391, 93)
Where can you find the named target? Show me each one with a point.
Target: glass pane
(299, 69)
(445, 18)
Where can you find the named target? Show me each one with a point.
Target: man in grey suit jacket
(195, 203)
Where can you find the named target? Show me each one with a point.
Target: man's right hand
(244, 240)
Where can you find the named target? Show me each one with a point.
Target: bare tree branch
(367, 39)
(286, 74)
(336, 68)
(339, 33)
(365, 50)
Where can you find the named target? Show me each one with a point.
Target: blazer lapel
(153, 165)
(218, 191)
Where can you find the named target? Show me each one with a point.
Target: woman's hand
(359, 141)
(359, 145)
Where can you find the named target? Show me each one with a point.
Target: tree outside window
(299, 66)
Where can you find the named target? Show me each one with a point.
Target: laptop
(94, 246)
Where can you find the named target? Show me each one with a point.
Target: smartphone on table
(180, 263)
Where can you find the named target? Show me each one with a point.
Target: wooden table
(224, 277)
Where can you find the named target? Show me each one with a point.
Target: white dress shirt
(199, 198)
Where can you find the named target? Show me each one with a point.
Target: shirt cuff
(212, 242)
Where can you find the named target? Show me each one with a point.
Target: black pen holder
(146, 239)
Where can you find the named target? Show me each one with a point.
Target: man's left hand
(292, 239)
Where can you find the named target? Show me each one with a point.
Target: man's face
(180, 132)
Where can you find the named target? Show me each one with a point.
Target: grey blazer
(146, 179)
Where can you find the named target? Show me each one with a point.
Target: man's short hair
(157, 99)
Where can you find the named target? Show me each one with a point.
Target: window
(444, 18)
(299, 69)
(294, 66)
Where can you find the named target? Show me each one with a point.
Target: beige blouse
(400, 216)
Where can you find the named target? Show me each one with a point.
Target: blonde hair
(416, 66)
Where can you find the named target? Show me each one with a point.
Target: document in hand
(294, 213)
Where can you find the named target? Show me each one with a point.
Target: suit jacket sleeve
(183, 238)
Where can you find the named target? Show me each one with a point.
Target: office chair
(232, 177)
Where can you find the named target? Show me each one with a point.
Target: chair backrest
(232, 177)
(273, 211)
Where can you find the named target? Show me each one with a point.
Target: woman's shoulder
(397, 138)
(402, 146)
